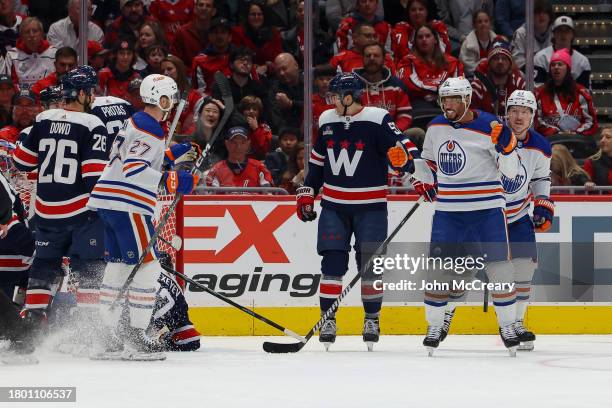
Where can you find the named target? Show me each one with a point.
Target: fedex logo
(253, 232)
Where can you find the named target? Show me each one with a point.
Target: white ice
(466, 372)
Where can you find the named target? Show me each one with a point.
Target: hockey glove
(503, 139)
(180, 181)
(400, 158)
(305, 204)
(182, 152)
(427, 191)
(543, 213)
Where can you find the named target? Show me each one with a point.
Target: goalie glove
(400, 158)
(427, 191)
(305, 204)
(543, 213)
(182, 152)
(181, 181)
(503, 138)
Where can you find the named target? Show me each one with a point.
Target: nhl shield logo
(513, 185)
(451, 158)
(328, 131)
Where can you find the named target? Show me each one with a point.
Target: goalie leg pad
(141, 294)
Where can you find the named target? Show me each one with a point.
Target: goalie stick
(236, 305)
(200, 165)
(271, 347)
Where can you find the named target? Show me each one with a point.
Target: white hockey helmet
(522, 98)
(456, 86)
(154, 86)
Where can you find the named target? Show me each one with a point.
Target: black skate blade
(18, 359)
(280, 348)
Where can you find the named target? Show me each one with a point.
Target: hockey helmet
(522, 98)
(346, 83)
(51, 94)
(154, 87)
(82, 77)
(456, 86)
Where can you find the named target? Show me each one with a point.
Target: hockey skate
(114, 348)
(525, 336)
(509, 338)
(19, 352)
(327, 334)
(145, 347)
(371, 332)
(35, 324)
(432, 339)
(448, 318)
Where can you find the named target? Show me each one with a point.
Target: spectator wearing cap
(286, 93)
(563, 37)
(65, 60)
(459, 17)
(172, 14)
(241, 78)
(599, 166)
(238, 170)
(352, 59)
(7, 91)
(115, 79)
(25, 109)
(476, 45)
(403, 36)
(127, 25)
(154, 55)
(214, 58)
(495, 79)
(365, 11)
(65, 32)
(293, 40)
(150, 33)
(9, 24)
(564, 106)
(192, 37)
(260, 134)
(255, 33)
(425, 68)
(509, 16)
(321, 99)
(96, 55)
(278, 160)
(134, 94)
(543, 17)
(33, 57)
(173, 67)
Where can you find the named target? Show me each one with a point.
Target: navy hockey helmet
(346, 84)
(51, 94)
(82, 77)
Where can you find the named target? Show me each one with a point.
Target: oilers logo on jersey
(511, 186)
(451, 158)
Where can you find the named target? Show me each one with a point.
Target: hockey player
(125, 198)
(113, 112)
(532, 181)
(348, 161)
(68, 148)
(469, 152)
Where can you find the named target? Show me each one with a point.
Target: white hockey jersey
(533, 178)
(467, 166)
(130, 180)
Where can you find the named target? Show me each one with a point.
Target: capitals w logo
(343, 161)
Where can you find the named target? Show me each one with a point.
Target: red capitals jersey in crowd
(389, 94)
(254, 174)
(549, 120)
(261, 140)
(483, 99)
(351, 60)
(188, 43)
(423, 79)
(402, 38)
(204, 67)
(319, 105)
(344, 34)
(267, 52)
(172, 14)
(115, 86)
(9, 133)
(49, 80)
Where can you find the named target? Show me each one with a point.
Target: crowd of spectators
(401, 49)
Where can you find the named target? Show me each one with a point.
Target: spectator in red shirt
(564, 106)
(404, 32)
(65, 60)
(365, 11)
(501, 78)
(214, 58)
(192, 37)
(251, 108)
(425, 68)
(25, 109)
(172, 14)
(150, 33)
(255, 34)
(322, 99)
(352, 59)
(599, 166)
(96, 54)
(128, 24)
(115, 79)
(7, 91)
(238, 170)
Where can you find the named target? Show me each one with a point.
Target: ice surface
(466, 372)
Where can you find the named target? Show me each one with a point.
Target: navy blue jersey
(349, 159)
(170, 311)
(69, 150)
(113, 112)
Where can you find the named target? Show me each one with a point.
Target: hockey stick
(236, 305)
(200, 166)
(177, 116)
(295, 347)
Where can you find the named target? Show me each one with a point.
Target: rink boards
(255, 251)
